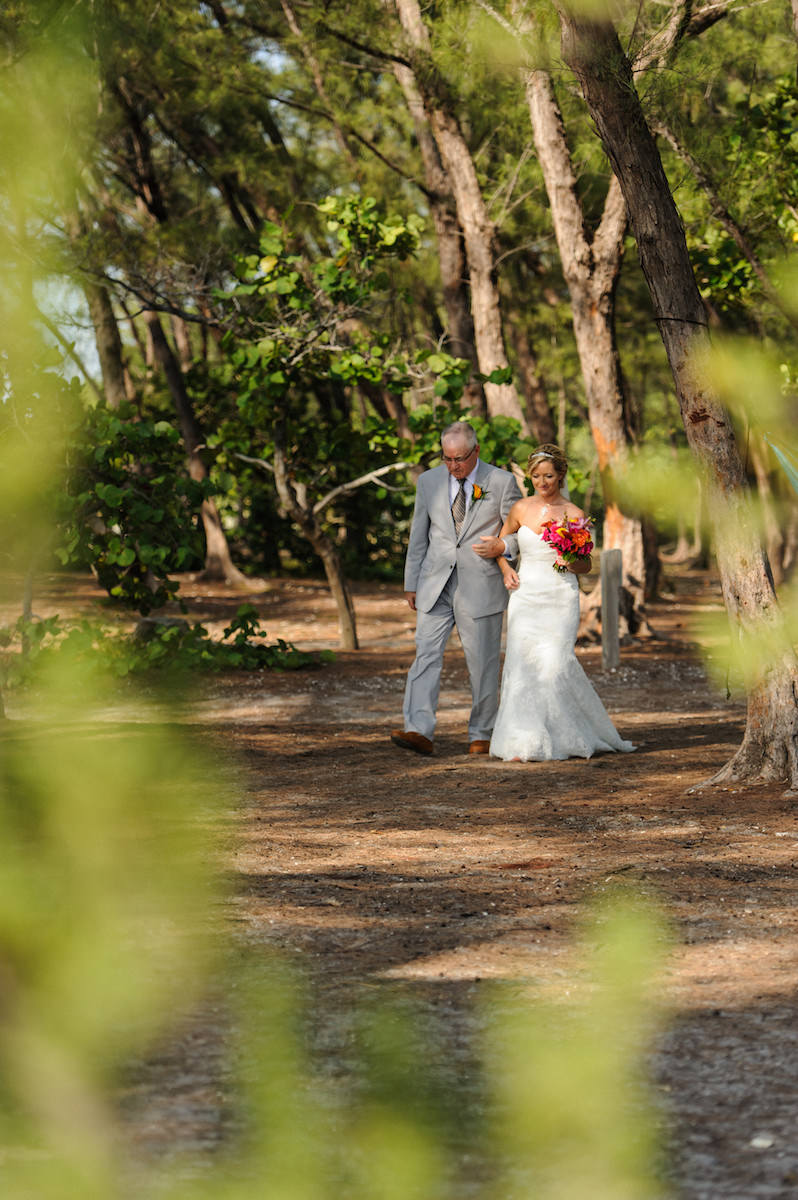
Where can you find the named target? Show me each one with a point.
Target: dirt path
(372, 864)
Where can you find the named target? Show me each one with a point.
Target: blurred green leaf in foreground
(110, 858)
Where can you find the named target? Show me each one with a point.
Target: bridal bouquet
(570, 537)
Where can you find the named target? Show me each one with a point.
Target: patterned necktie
(459, 508)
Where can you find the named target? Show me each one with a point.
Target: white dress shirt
(469, 480)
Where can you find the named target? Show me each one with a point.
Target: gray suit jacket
(434, 550)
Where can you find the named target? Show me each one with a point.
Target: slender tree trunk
(451, 255)
(389, 406)
(310, 527)
(536, 400)
(591, 269)
(182, 340)
(218, 563)
(774, 535)
(769, 749)
(109, 343)
(502, 398)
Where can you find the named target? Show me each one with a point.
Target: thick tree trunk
(218, 563)
(109, 343)
(303, 517)
(451, 256)
(502, 398)
(770, 746)
(591, 269)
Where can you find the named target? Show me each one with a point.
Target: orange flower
(477, 492)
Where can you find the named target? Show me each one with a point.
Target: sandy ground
(375, 867)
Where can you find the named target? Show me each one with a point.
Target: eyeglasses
(450, 462)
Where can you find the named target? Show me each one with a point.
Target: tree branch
(351, 486)
(350, 129)
(369, 477)
(725, 218)
(683, 23)
(372, 51)
(71, 352)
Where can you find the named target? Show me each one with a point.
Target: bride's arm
(511, 525)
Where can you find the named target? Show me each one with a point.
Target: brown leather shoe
(408, 739)
(479, 748)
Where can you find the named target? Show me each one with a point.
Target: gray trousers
(481, 641)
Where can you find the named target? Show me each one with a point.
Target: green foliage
(105, 890)
(566, 1074)
(499, 437)
(366, 233)
(304, 337)
(129, 508)
(751, 162)
(724, 276)
(307, 319)
(104, 893)
(160, 645)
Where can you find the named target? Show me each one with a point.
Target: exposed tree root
(769, 750)
(232, 577)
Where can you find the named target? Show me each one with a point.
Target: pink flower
(570, 537)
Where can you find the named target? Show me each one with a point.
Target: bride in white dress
(549, 708)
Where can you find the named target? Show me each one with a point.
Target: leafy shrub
(129, 508)
(156, 645)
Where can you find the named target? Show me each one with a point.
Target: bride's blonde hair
(551, 453)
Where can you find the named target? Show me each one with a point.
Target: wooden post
(611, 574)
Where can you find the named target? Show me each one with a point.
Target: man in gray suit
(451, 578)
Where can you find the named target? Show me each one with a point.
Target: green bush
(156, 645)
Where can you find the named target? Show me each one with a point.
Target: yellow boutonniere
(477, 492)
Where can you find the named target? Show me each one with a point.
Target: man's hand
(489, 547)
(410, 597)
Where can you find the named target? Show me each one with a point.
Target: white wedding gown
(549, 708)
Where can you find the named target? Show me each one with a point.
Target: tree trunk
(389, 406)
(109, 343)
(478, 233)
(591, 269)
(774, 534)
(310, 527)
(451, 256)
(182, 340)
(769, 749)
(536, 401)
(218, 563)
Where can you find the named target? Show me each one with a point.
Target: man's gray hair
(461, 429)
